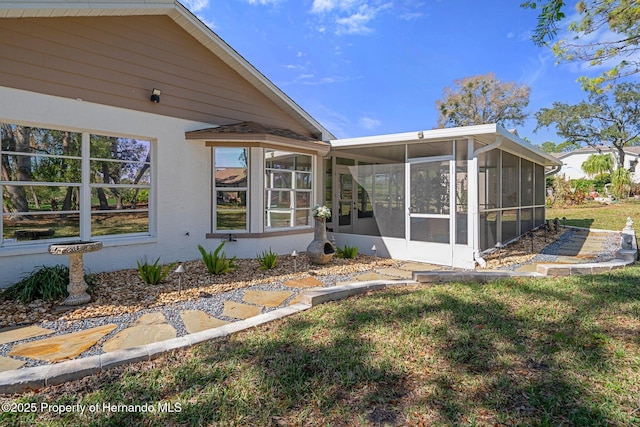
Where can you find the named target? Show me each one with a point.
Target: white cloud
(264, 2)
(369, 123)
(195, 5)
(349, 16)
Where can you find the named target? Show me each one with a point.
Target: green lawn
(549, 351)
(598, 215)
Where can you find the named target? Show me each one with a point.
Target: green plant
(46, 282)
(217, 262)
(347, 252)
(621, 183)
(152, 274)
(267, 260)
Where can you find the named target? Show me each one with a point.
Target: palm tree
(597, 164)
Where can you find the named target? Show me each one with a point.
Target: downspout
(476, 214)
(553, 171)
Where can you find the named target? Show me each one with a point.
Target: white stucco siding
(181, 182)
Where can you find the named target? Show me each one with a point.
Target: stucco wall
(182, 184)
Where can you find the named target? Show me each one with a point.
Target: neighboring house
(132, 123)
(573, 160)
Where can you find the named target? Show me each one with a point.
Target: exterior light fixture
(499, 247)
(155, 95)
(564, 222)
(420, 135)
(180, 270)
(375, 253)
(531, 236)
(294, 255)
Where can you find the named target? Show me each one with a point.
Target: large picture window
(231, 166)
(288, 189)
(60, 184)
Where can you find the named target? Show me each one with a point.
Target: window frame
(84, 185)
(215, 189)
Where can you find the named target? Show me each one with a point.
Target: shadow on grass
(527, 352)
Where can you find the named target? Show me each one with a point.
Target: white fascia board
(552, 161)
(50, 9)
(433, 134)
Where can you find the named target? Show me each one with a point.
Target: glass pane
(488, 230)
(303, 217)
(328, 186)
(109, 223)
(430, 149)
(18, 227)
(228, 157)
(510, 180)
(231, 210)
(303, 199)
(430, 229)
(231, 177)
(345, 162)
(526, 220)
(488, 179)
(278, 219)
(114, 148)
(540, 185)
(345, 213)
(278, 199)
(429, 192)
(276, 179)
(25, 139)
(107, 172)
(303, 180)
(509, 225)
(461, 228)
(526, 180)
(277, 159)
(388, 206)
(34, 198)
(303, 163)
(108, 198)
(345, 186)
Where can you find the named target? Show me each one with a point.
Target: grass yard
(562, 351)
(598, 215)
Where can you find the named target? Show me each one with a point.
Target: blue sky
(368, 67)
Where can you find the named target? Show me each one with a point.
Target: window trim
(214, 192)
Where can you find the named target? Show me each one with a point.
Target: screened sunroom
(441, 196)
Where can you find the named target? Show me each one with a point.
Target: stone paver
(365, 277)
(305, 282)
(197, 320)
(418, 266)
(8, 364)
(149, 328)
(396, 272)
(266, 298)
(19, 334)
(240, 311)
(62, 347)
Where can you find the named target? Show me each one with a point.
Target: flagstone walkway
(34, 345)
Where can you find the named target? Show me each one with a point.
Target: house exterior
(572, 161)
(87, 155)
(132, 123)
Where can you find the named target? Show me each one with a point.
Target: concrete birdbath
(77, 287)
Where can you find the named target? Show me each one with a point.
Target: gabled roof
(185, 19)
(595, 150)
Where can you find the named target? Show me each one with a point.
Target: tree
(606, 119)
(597, 164)
(563, 147)
(605, 32)
(482, 100)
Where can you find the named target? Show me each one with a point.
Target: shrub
(46, 282)
(267, 260)
(347, 252)
(621, 183)
(152, 274)
(217, 262)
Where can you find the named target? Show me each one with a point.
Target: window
(288, 189)
(231, 166)
(62, 184)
